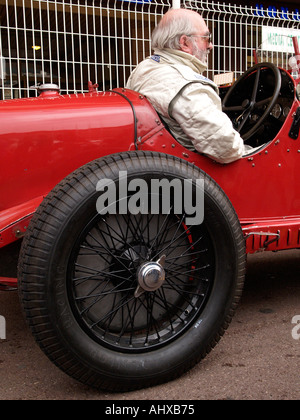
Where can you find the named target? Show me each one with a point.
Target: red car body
(44, 139)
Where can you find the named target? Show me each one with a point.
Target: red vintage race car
(123, 282)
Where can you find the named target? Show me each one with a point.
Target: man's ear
(185, 44)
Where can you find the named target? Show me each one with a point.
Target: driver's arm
(198, 111)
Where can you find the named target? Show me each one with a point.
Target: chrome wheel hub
(150, 276)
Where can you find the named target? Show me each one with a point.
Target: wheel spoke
(104, 279)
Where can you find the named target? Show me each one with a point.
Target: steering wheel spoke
(244, 118)
(255, 87)
(237, 108)
(263, 102)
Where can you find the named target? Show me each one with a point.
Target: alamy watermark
(296, 328)
(157, 196)
(2, 328)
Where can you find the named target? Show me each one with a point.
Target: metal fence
(69, 42)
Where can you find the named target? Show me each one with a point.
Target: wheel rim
(113, 258)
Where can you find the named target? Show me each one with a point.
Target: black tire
(77, 278)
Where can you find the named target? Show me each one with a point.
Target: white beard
(202, 55)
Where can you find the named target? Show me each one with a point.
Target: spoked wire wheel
(139, 281)
(124, 300)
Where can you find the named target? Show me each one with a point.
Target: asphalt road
(258, 357)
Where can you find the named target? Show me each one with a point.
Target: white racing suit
(189, 104)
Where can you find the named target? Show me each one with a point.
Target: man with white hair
(186, 100)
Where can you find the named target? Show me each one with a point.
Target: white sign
(223, 79)
(279, 39)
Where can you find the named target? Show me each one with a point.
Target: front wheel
(120, 299)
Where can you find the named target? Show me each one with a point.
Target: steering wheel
(251, 98)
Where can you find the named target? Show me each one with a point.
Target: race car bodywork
(44, 139)
(56, 147)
